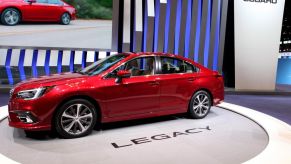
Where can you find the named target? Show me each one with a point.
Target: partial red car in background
(14, 11)
(120, 87)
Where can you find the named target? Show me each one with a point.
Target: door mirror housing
(31, 1)
(122, 74)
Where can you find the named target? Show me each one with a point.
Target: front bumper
(26, 120)
(30, 114)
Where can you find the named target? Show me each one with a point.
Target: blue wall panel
(34, 62)
(60, 59)
(207, 36)
(47, 62)
(284, 71)
(8, 68)
(21, 63)
(198, 29)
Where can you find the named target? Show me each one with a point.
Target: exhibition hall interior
(145, 81)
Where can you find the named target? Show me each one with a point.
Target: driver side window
(137, 67)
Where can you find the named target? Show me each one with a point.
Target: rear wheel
(200, 105)
(65, 19)
(75, 118)
(10, 17)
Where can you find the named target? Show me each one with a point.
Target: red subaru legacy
(120, 87)
(14, 11)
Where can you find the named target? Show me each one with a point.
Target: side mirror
(122, 74)
(31, 1)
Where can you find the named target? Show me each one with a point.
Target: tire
(69, 123)
(10, 17)
(200, 105)
(65, 19)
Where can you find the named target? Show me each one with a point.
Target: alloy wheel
(66, 18)
(11, 17)
(76, 119)
(201, 105)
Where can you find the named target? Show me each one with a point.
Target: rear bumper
(218, 95)
(73, 16)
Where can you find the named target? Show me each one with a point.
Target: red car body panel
(134, 98)
(39, 12)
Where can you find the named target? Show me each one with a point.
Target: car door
(138, 94)
(177, 84)
(54, 9)
(35, 11)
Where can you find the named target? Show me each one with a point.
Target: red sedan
(120, 87)
(14, 11)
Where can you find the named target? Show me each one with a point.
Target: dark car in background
(14, 11)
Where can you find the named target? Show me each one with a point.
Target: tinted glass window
(54, 1)
(41, 1)
(138, 67)
(173, 65)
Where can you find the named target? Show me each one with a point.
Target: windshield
(102, 65)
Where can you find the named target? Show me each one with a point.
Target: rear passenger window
(54, 1)
(41, 1)
(173, 65)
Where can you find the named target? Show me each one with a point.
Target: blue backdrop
(284, 70)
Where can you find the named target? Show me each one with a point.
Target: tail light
(218, 76)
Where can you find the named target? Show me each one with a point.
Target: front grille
(11, 92)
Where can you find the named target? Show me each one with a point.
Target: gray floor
(79, 34)
(232, 139)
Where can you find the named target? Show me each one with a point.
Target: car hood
(55, 79)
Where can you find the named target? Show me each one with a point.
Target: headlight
(33, 93)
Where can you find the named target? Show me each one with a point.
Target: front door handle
(191, 79)
(153, 83)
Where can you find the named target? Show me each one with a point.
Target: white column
(257, 37)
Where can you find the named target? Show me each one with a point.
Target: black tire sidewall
(57, 118)
(62, 22)
(190, 110)
(3, 20)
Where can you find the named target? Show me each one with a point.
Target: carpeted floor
(276, 106)
(4, 99)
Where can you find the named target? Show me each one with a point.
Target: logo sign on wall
(264, 1)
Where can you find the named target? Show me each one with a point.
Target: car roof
(136, 54)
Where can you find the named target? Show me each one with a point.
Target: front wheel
(65, 19)
(200, 105)
(76, 118)
(10, 17)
